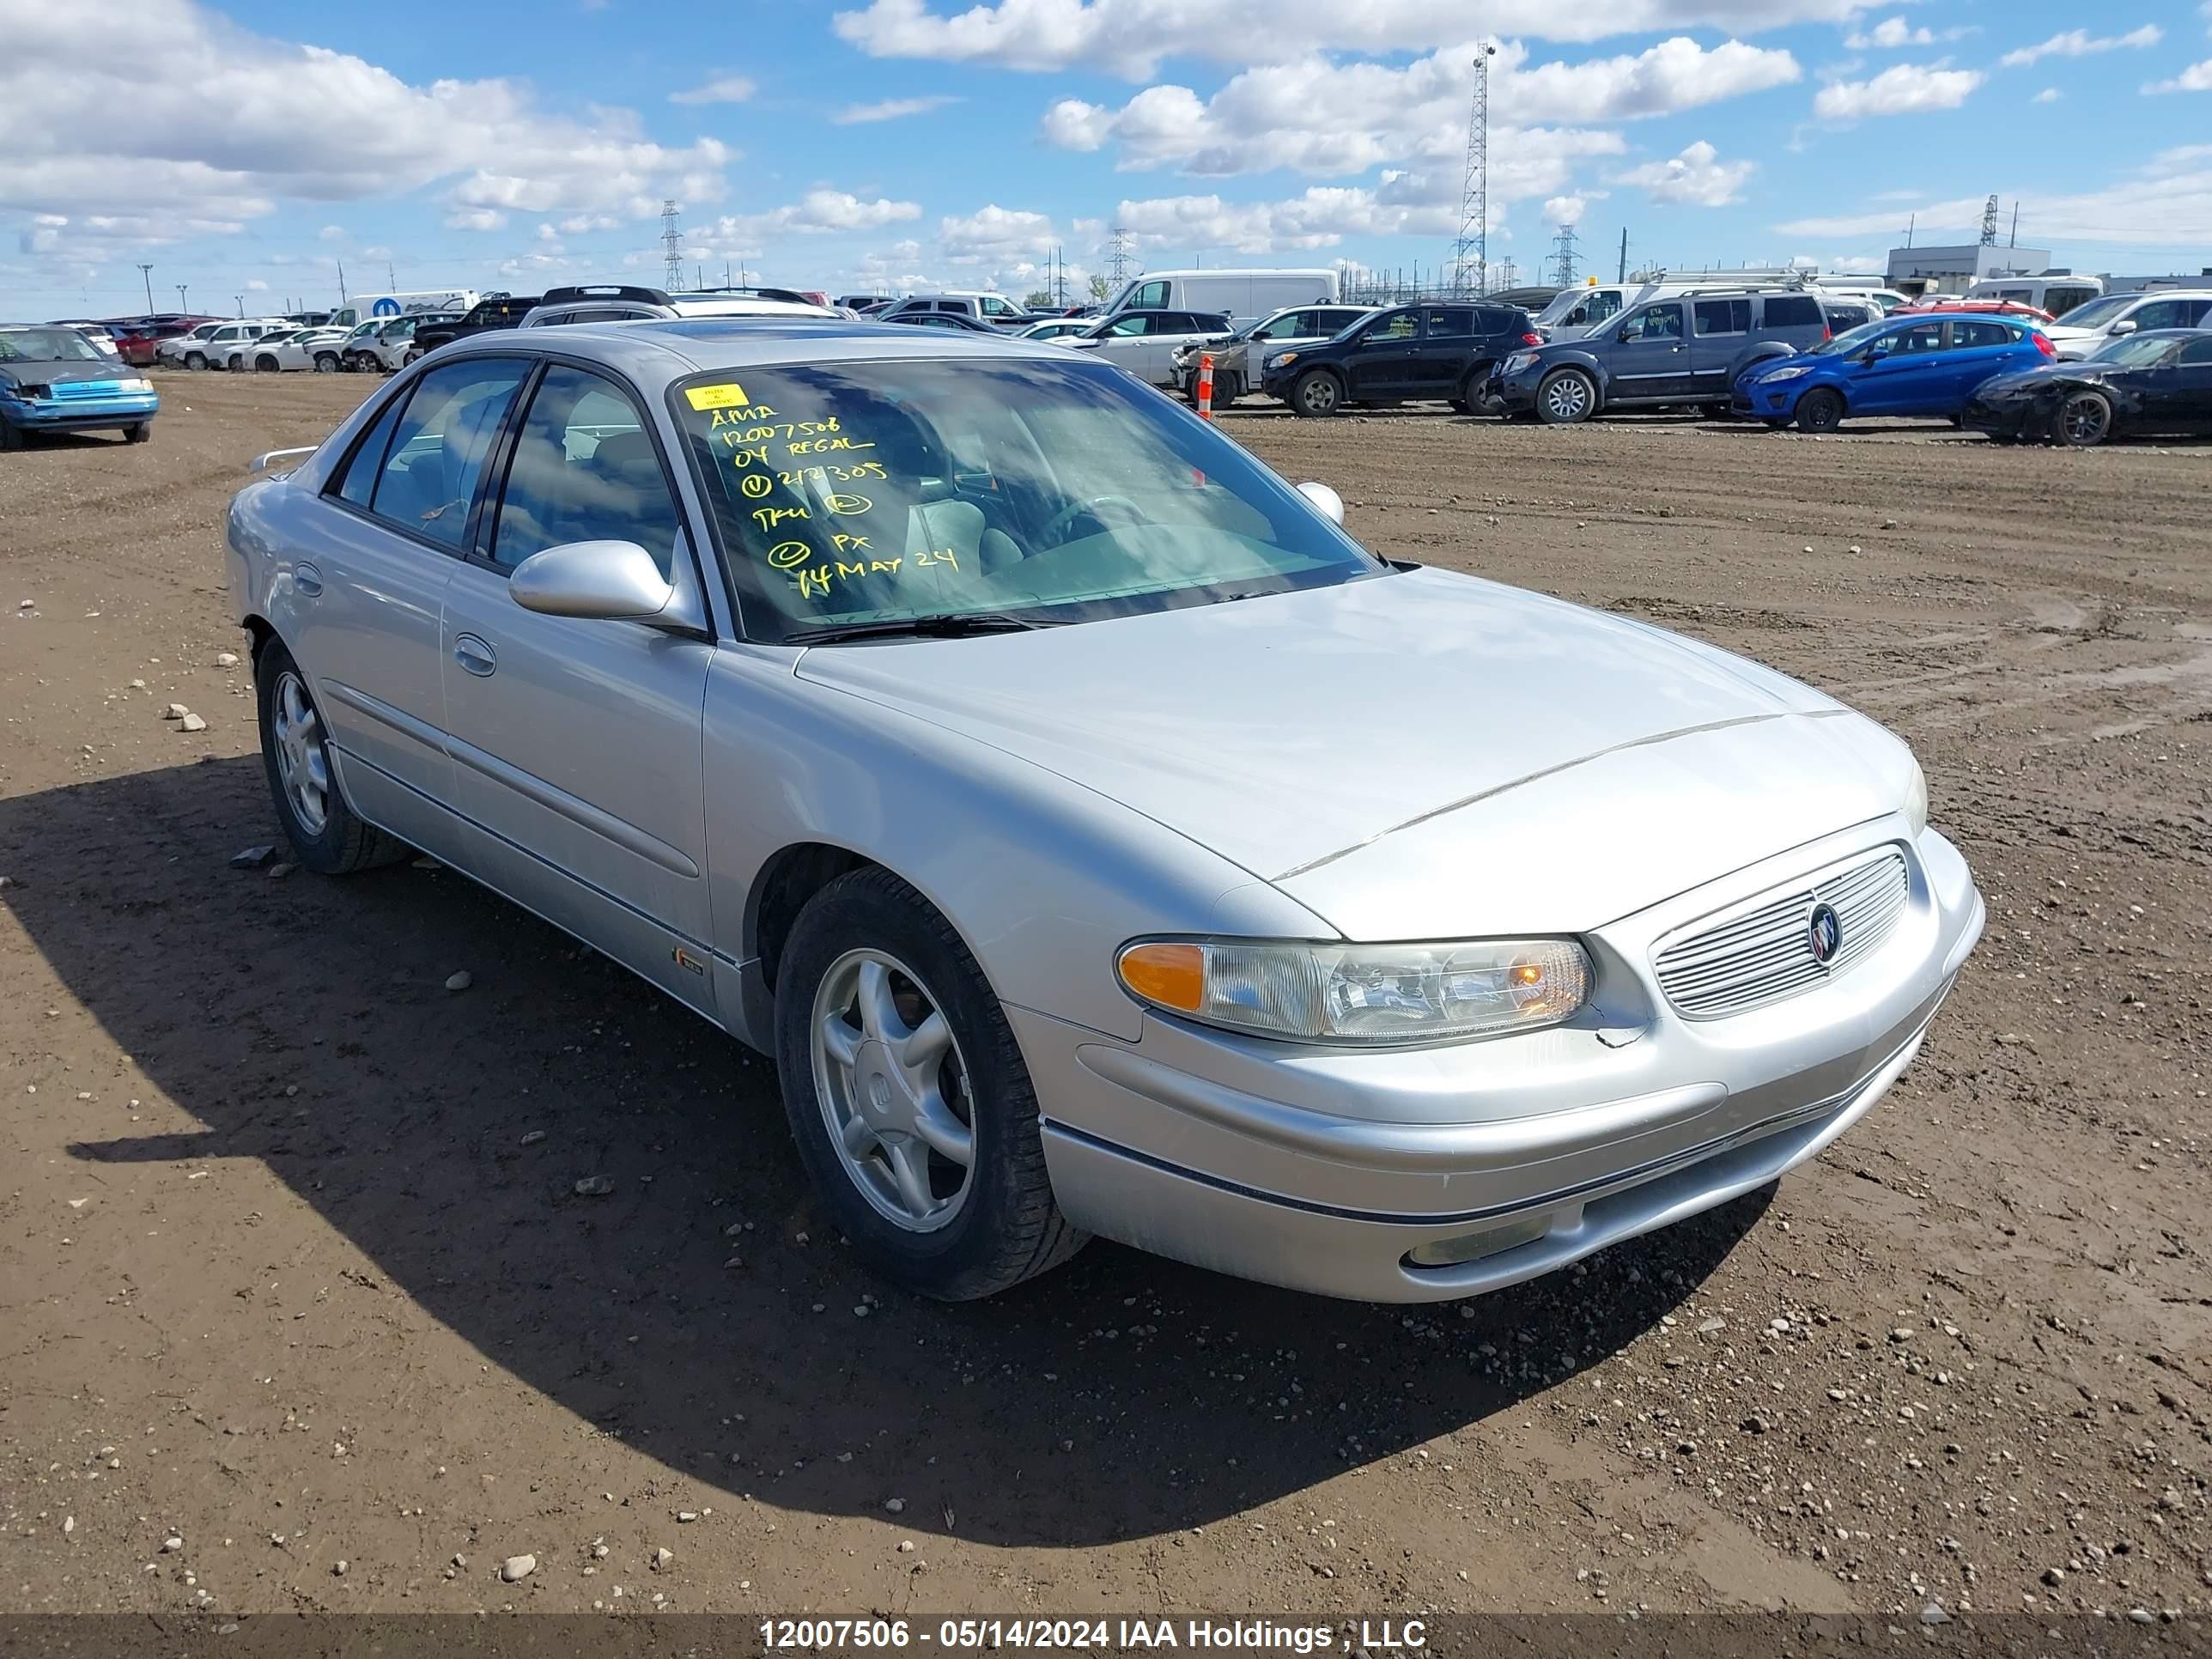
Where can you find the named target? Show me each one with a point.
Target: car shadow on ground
(443, 1134)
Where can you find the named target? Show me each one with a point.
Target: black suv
(1444, 350)
(500, 311)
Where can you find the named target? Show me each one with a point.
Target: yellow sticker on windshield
(729, 395)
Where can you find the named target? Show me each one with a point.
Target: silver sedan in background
(1101, 839)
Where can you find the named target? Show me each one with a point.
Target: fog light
(1473, 1247)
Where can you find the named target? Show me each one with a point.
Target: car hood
(40, 371)
(1307, 737)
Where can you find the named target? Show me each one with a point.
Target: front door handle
(307, 581)
(475, 655)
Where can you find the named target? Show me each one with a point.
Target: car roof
(656, 351)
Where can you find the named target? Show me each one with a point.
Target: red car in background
(135, 341)
(1996, 307)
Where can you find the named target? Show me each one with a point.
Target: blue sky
(887, 144)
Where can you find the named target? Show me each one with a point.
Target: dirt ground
(298, 1311)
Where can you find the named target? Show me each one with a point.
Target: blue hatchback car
(1919, 365)
(55, 380)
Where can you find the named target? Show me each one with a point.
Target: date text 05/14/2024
(1108, 1635)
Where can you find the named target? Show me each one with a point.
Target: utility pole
(672, 246)
(1911, 223)
(2013, 242)
(1623, 276)
(181, 306)
(1471, 251)
(1564, 251)
(342, 293)
(147, 271)
(240, 300)
(390, 281)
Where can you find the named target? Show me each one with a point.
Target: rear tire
(2085, 420)
(266, 364)
(1567, 398)
(997, 1225)
(322, 829)
(141, 433)
(1820, 410)
(1317, 394)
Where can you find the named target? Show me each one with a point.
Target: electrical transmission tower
(1470, 254)
(671, 247)
(1509, 275)
(1990, 222)
(1117, 257)
(1563, 254)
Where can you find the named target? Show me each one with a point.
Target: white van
(1574, 312)
(2055, 294)
(365, 307)
(1243, 296)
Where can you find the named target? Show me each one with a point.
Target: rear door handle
(308, 580)
(475, 655)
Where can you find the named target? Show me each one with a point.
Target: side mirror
(1330, 504)
(1874, 354)
(2125, 326)
(601, 581)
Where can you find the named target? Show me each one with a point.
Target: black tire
(1317, 394)
(1820, 410)
(1715, 411)
(1227, 389)
(11, 437)
(266, 364)
(196, 360)
(326, 362)
(2085, 420)
(1008, 1227)
(1463, 400)
(143, 433)
(1567, 397)
(343, 843)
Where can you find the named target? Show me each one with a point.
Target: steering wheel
(1050, 536)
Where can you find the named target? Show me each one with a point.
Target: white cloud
(2048, 95)
(166, 107)
(1904, 89)
(1131, 38)
(1889, 34)
(992, 232)
(2197, 77)
(255, 285)
(1269, 117)
(2080, 43)
(331, 233)
(1565, 210)
(577, 224)
(1696, 178)
(724, 89)
(478, 218)
(2165, 202)
(818, 212)
(891, 109)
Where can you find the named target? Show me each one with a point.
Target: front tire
(2085, 420)
(266, 364)
(1567, 398)
(196, 360)
(326, 362)
(912, 1108)
(1317, 394)
(143, 433)
(322, 829)
(1820, 410)
(11, 437)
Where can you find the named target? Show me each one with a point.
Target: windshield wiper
(925, 628)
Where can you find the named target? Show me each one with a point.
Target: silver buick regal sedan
(1101, 840)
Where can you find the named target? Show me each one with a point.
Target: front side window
(1920, 338)
(1654, 322)
(1391, 329)
(584, 470)
(892, 491)
(994, 307)
(436, 459)
(1129, 326)
(1148, 296)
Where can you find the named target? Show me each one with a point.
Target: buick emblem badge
(1823, 932)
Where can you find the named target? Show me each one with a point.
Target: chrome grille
(1762, 953)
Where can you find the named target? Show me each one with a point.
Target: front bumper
(1440, 1173)
(1758, 400)
(1514, 393)
(2016, 417)
(80, 414)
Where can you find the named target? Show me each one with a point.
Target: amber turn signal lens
(1173, 975)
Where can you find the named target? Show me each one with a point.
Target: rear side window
(368, 456)
(438, 451)
(1981, 334)
(1450, 323)
(1794, 311)
(1726, 316)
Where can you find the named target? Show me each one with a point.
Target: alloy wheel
(2085, 419)
(303, 768)
(893, 1090)
(1567, 398)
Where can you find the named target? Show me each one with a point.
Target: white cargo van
(1243, 296)
(364, 307)
(2055, 294)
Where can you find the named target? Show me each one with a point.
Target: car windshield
(1058, 492)
(1852, 339)
(2135, 350)
(2098, 312)
(43, 345)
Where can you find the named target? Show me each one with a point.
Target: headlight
(1790, 374)
(26, 392)
(1519, 361)
(1365, 995)
(1282, 359)
(1916, 800)
(132, 383)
